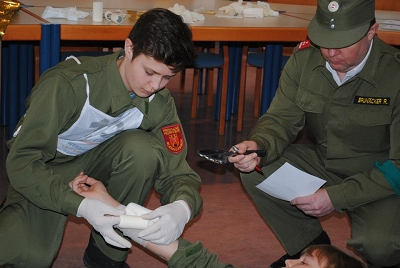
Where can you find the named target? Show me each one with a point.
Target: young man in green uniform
(344, 86)
(110, 118)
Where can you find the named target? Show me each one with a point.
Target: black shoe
(323, 238)
(94, 258)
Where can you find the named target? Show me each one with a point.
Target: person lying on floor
(182, 253)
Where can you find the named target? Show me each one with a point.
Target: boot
(94, 258)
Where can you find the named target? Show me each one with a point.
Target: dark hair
(162, 35)
(331, 257)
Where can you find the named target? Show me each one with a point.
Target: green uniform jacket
(354, 124)
(55, 104)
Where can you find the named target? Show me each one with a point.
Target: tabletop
(23, 27)
(281, 28)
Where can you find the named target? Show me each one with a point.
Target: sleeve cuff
(338, 199)
(71, 203)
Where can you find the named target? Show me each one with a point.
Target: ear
(128, 47)
(372, 31)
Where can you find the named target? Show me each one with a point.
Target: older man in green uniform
(110, 118)
(344, 85)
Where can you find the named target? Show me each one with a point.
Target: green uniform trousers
(127, 164)
(375, 227)
(194, 255)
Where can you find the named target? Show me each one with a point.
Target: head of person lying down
(324, 256)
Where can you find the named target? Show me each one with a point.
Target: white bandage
(97, 11)
(133, 218)
(134, 222)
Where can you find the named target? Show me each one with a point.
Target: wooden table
(282, 28)
(291, 26)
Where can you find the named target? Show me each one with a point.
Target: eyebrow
(149, 68)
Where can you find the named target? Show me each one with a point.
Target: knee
(380, 249)
(17, 254)
(141, 153)
(250, 181)
(39, 257)
(142, 146)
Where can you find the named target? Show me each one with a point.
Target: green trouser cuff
(391, 173)
(194, 255)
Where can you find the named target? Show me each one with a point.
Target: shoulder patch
(304, 44)
(173, 138)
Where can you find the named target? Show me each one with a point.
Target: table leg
(272, 71)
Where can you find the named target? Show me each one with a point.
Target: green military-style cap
(340, 23)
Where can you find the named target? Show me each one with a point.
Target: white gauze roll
(117, 18)
(114, 17)
(107, 15)
(97, 11)
(133, 209)
(133, 222)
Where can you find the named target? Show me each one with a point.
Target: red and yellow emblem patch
(304, 44)
(173, 137)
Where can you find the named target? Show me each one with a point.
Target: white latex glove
(95, 212)
(136, 210)
(173, 218)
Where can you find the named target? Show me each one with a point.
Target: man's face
(345, 59)
(144, 75)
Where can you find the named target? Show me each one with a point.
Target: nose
(333, 52)
(155, 82)
(292, 262)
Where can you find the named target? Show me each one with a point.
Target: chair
(209, 60)
(256, 59)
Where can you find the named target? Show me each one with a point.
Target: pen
(257, 168)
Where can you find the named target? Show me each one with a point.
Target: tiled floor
(229, 224)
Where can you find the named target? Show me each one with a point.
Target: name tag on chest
(385, 101)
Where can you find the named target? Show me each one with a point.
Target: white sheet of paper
(288, 182)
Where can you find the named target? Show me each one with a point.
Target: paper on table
(288, 182)
(391, 25)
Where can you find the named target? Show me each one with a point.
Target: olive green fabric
(129, 164)
(355, 125)
(340, 23)
(194, 255)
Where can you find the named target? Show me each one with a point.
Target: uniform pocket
(366, 115)
(367, 128)
(310, 101)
